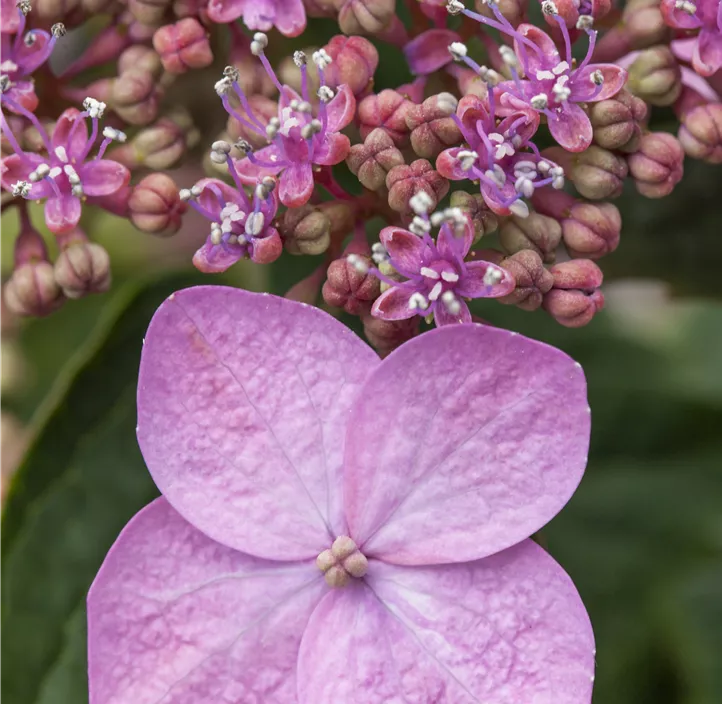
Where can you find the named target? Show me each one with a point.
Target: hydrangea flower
(65, 176)
(23, 54)
(706, 16)
(437, 277)
(287, 16)
(335, 526)
(299, 141)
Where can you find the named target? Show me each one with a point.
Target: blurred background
(642, 538)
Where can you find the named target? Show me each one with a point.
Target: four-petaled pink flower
(21, 55)
(335, 528)
(437, 277)
(706, 16)
(299, 140)
(287, 16)
(64, 175)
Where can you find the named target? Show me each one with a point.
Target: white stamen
(597, 77)
(61, 154)
(218, 157)
(557, 174)
(259, 43)
(95, 108)
(454, 7)
(467, 159)
(58, 30)
(450, 276)
(24, 6)
(42, 170)
(254, 224)
(196, 190)
(544, 75)
(321, 58)
(451, 302)
(560, 68)
(72, 174)
(223, 86)
(525, 186)
(55, 172)
(311, 129)
(243, 146)
(419, 226)
(519, 208)
(325, 94)
(509, 57)
(379, 253)
(21, 188)
(492, 276)
(358, 263)
(688, 7)
(231, 73)
(115, 135)
(496, 175)
(436, 291)
(185, 195)
(418, 302)
(458, 51)
(549, 8)
(221, 146)
(421, 203)
(299, 58)
(429, 273)
(585, 22)
(561, 90)
(446, 103)
(489, 75)
(216, 233)
(77, 190)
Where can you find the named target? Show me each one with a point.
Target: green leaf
(82, 479)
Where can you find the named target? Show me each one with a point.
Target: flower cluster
(537, 126)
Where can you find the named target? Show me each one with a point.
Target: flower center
(342, 562)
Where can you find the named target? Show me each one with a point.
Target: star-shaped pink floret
(705, 16)
(287, 16)
(332, 524)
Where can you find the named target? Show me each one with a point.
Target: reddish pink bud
(355, 60)
(346, 287)
(155, 206)
(183, 45)
(658, 165)
(386, 335)
(135, 96)
(575, 297)
(32, 289)
(83, 268)
(364, 16)
(701, 133)
(532, 279)
(150, 12)
(432, 127)
(475, 208)
(617, 121)
(655, 76)
(387, 110)
(538, 233)
(140, 58)
(404, 182)
(372, 160)
(305, 230)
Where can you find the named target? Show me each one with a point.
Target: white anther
(30, 38)
(519, 208)
(561, 67)
(492, 276)
(436, 291)
(24, 6)
(58, 30)
(688, 7)
(269, 184)
(55, 171)
(42, 170)
(305, 107)
(561, 90)
(221, 146)
(451, 302)
(524, 185)
(417, 301)
(525, 167)
(243, 146)
(196, 190)
(549, 8)
(185, 194)
(77, 190)
(450, 276)
(218, 157)
(585, 22)
(496, 175)
(446, 102)
(544, 166)
(454, 7)
(5, 83)
(509, 57)
(255, 223)
(358, 263)
(545, 75)
(379, 253)
(272, 128)
(489, 75)
(421, 203)
(311, 129)
(231, 73)
(72, 174)
(299, 58)
(419, 226)
(225, 85)
(467, 159)
(325, 94)
(61, 154)
(21, 188)
(115, 135)
(429, 273)
(216, 233)
(458, 51)
(261, 42)
(321, 58)
(557, 174)
(597, 77)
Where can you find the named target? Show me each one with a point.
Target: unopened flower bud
(305, 230)
(341, 217)
(598, 173)
(32, 289)
(354, 62)
(386, 110)
(364, 16)
(700, 133)
(531, 278)
(135, 96)
(431, 125)
(183, 45)
(514, 10)
(140, 58)
(473, 206)
(592, 229)
(404, 182)
(655, 76)
(372, 160)
(149, 12)
(644, 24)
(83, 268)
(536, 232)
(266, 110)
(155, 205)
(657, 166)
(617, 121)
(575, 296)
(386, 335)
(348, 288)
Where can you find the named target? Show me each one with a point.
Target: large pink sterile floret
(338, 528)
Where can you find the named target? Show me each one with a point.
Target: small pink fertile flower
(333, 525)
(706, 16)
(287, 16)
(65, 175)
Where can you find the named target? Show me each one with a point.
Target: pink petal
(480, 436)
(452, 246)
(707, 57)
(62, 213)
(209, 200)
(683, 48)
(249, 173)
(583, 87)
(405, 249)
(509, 629)
(548, 55)
(341, 109)
(178, 618)
(215, 259)
(570, 127)
(14, 169)
(527, 129)
(393, 304)
(677, 18)
(449, 166)
(225, 11)
(471, 284)
(242, 401)
(103, 177)
(23, 93)
(443, 316)
(334, 149)
(288, 16)
(64, 127)
(296, 185)
(429, 51)
(267, 249)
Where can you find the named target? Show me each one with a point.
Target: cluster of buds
(272, 174)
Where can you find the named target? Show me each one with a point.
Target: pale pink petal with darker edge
(443, 316)
(296, 185)
(546, 58)
(393, 304)
(508, 629)
(341, 109)
(570, 127)
(175, 617)
(471, 284)
(429, 51)
(334, 149)
(103, 177)
(249, 173)
(242, 403)
(583, 88)
(62, 213)
(449, 166)
(405, 249)
(480, 436)
(69, 123)
(707, 56)
(15, 168)
(224, 11)
(215, 259)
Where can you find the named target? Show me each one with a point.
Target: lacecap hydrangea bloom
(337, 528)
